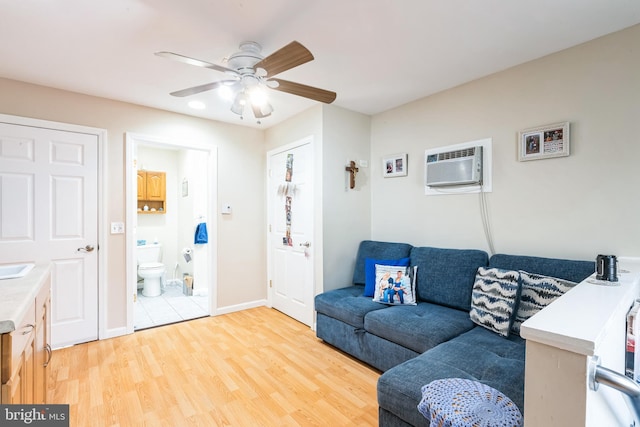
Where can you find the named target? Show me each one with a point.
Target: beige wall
(241, 242)
(576, 206)
(346, 212)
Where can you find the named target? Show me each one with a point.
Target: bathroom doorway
(160, 232)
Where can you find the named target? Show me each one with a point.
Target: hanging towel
(201, 234)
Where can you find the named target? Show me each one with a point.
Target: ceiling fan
(249, 72)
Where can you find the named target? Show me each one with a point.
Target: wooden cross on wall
(353, 170)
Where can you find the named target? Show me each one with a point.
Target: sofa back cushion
(377, 250)
(574, 271)
(446, 276)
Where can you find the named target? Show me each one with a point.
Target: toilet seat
(150, 265)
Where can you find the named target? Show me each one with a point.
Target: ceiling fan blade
(201, 88)
(196, 62)
(305, 91)
(285, 58)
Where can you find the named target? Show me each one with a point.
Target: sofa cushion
(346, 304)
(376, 250)
(478, 355)
(420, 327)
(574, 271)
(395, 285)
(493, 299)
(368, 348)
(446, 276)
(370, 272)
(538, 291)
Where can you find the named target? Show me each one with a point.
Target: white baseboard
(117, 332)
(239, 307)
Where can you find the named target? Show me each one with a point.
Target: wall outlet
(226, 209)
(117, 228)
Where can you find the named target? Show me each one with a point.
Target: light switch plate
(117, 228)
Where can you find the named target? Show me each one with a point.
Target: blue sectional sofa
(436, 338)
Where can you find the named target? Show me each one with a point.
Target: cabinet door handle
(30, 329)
(49, 355)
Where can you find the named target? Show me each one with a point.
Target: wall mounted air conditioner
(458, 167)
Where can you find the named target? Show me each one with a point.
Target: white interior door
(290, 201)
(49, 213)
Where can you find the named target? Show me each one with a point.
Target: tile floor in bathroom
(170, 307)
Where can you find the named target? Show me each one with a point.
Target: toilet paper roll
(186, 253)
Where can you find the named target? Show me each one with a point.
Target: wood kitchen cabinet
(42, 345)
(152, 192)
(25, 353)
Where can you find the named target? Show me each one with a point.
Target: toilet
(150, 268)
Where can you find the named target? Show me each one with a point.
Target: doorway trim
(132, 140)
(102, 244)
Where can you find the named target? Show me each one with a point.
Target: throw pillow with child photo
(395, 285)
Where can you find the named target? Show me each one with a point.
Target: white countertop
(578, 319)
(16, 295)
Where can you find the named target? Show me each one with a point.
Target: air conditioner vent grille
(466, 152)
(455, 167)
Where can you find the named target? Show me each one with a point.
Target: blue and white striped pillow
(537, 292)
(493, 299)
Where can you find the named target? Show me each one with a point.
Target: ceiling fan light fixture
(250, 74)
(258, 96)
(266, 109)
(238, 103)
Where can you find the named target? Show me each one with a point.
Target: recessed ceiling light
(197, 105)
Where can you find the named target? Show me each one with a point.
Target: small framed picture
(394, 165)
(544, 142)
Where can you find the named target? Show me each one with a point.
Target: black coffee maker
(607, 268)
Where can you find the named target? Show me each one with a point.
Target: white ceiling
(376, 54)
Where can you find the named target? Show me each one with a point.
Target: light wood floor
(251, 368)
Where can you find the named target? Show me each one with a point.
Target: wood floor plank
(255, 367)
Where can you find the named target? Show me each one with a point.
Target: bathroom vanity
(25, 345)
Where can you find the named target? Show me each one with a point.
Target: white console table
(587, 321)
